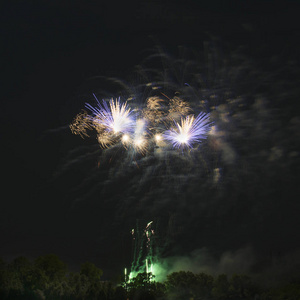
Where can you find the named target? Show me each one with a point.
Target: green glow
(132, 275)
(159, 272)
(156, 269)
(144, 254)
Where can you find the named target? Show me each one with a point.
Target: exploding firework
(115, 118)
(191, 130)
(115, 123)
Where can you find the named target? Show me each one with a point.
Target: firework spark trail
(190, 131)
(80, 124)
(144, 249)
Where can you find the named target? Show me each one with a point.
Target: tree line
(47, 277)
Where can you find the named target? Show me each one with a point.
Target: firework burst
(191, 130)
(115, 123)
(115, 118)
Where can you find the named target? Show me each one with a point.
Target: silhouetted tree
(290, 291)
(241, 287)
(91, 271)
(143, 286)
(79, 285)
(120, 293)
(204, 286)
(220, 287)
(52, 266)
(181, 284)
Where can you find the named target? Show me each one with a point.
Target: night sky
(56, 195)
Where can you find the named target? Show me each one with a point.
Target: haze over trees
(48, 277)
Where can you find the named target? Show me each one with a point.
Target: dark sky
(51, 53)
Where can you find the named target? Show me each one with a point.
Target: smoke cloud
(226, 192)
(267, 272)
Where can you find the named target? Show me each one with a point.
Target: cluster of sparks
(158, 123)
